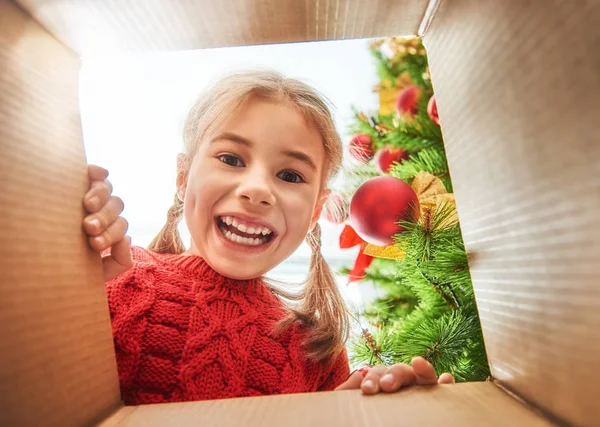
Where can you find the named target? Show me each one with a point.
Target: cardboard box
(518, 95)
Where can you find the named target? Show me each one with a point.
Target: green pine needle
(441, 341)
(361, 354)
(432, 160)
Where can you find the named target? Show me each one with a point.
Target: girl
(203, 323)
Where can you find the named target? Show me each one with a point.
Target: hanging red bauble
(335, 209)
(407, 102)
(389, 155)
(361, 148)
(432, 110)
(378, 205)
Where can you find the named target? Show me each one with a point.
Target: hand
(382, 378)
(105, 228)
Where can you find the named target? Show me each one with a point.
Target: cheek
(299, 212)
(198, 196)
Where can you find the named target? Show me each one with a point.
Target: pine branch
(385, 69)
(432, 160)
(407, 141)
(363, 354)
(442, 341)
(416, 66)
(390, 310)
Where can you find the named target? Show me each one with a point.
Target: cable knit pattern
(184, 332)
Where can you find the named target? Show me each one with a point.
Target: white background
(133, 108)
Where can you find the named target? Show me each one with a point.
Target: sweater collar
(197, 266)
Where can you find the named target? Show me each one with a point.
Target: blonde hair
(320, 306)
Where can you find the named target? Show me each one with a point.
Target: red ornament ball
(387, 156)
(432, 110)
(361, 148)
(408, 101)
(335, 209)
(378, 205)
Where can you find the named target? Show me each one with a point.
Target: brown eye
(290, 176)
(231, 160)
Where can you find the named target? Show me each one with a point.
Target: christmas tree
(416, 257)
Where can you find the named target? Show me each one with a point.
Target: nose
(256, 189)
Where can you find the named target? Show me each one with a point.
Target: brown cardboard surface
(57, 365)
(92, 26)
(517, 87)
(518, 90)
(473, 404)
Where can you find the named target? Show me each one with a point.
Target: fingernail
(100, 241)
(364, 370)
(388, 379)
(94, 223)
(93, 202)
(369, 385)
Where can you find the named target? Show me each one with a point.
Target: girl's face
(254, 190)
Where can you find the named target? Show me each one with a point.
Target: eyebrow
(243, 141)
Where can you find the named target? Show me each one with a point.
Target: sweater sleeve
(339, 373)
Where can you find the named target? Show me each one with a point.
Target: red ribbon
(349, 239)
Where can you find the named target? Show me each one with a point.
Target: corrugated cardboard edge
(91, 26)
(466, 404)
(518, 102)
(428, 17)
(57, 361)
(529, 405)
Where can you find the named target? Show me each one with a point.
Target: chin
(234, 269)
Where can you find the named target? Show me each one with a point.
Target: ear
(183, 169)
(319, 207)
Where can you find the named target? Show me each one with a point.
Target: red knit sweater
(183, 332)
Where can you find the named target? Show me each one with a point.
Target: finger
(446, 378)
(113, 234)
(424, 371)
(99, 222)
(370, 384)
(97, 173)
(97, 196)
(353, 382)
(119, 260)
(397, 376)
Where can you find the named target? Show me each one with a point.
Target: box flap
(518, 95)
(57, 364)
(473, 404)
(90, 26)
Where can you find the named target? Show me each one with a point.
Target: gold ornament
(387, 252)
(387, 100)
(432, 195)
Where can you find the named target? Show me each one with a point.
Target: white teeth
(245, 228)
(242, 240)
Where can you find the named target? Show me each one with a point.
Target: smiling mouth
(238, 232)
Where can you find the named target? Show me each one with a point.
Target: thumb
(119, 260)
(353, 382)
